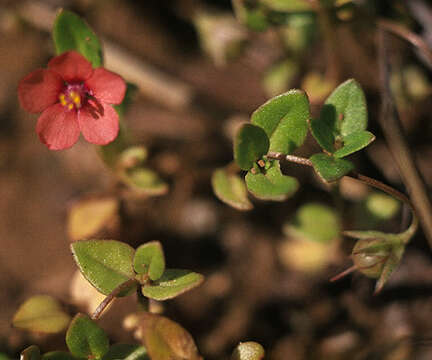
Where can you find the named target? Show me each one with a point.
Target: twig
(152, 83)
(422, 12)
(353, 175)
(111, 296)
(392, 128)
(406, 34)
(381, 186)
(290, 158)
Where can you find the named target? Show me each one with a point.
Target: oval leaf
(250, 144)
(354, 142)
(284, 119)
(41, 313)
(70, 32)
(382, 206)
(173, 282)
(144, 182)
(316, 222)
(106, 264)
(58, 355)
(89, 216)
(149, 259)
(85, 339)
(345, 110)
(329, 168)
(324, 133)
(167, 340)
(126, 352)
(31, 353)
(248, 351)
(230, 189)
(272, 185)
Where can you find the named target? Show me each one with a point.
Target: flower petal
(107, 86)
(39, 90)
(58, 127)
(99, 123)
(72, 66)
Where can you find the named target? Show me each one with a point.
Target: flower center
(73, 96)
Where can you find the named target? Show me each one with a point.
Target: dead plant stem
(392, 129)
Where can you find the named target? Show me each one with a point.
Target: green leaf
(230, 189)
(41, 313)
(144, 181)
(149, 259)
(382, 206)
(70, 32)
(4, 356)
(106, 264)
(249, 350)
(390, 265)
(133, 156)
(354, 142)
(345, 110)
(288, 5)
(369, 234)
(89, 216)
(299, 33)
(271, 185)
(329, 168)
(323, 133)
(126, 352)
(85, 339)
(167, 340)
(316, 222)
(343, 118)
(250, 144)
(253, 17)
(173, 282)
(284, 119)
(256, 20)
(31, 353)
(58, 355)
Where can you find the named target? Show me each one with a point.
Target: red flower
(73, 97)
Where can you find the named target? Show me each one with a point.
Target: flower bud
(370, 255)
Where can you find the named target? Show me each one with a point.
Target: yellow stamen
(62, 99)
(76, 98)
(70, 100)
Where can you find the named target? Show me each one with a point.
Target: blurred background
(200, 73)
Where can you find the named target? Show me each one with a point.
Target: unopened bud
(370, 255)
